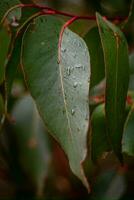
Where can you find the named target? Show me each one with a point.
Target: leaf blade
(67, 122)
(93, 42)
(99, 141)
(117, 76)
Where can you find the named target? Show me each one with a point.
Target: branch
(57, 12)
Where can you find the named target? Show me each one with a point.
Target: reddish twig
(50, 11)
(69, 22)
(57, 12)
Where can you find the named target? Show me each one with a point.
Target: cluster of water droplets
(74, 69)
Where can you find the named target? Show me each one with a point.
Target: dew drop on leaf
(72, 111)
(63, 50)
(14, 22)
(68, 71)
(75, 84)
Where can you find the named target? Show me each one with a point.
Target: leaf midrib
(64, 98)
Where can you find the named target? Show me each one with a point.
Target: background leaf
(99, 140)
(31, 141)
(4, 45)
(117, 77)
(93, 42)
(60, 90)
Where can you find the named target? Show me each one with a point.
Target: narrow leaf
(117, 76)
(59, 89)
(93, 42)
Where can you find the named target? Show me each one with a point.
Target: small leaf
(117, 76)
(31, 140)
(128, 136)
(93, 42)
(99, 140)
(59, 89)
(4, 45)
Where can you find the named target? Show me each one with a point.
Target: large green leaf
(5, 5)
(128, 136)
(31, 141)
(99, 140)
(59, 89)
(93, 42)
(117, 76)
(4, 45)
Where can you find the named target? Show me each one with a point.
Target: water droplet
(63, 49)
(42, 43)
(14, 22)
(68, 71)
(80, 66)
(72, 111)
(75, 84)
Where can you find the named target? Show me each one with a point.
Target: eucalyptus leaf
(99, 141)
(117, 77)
(93, 42)
(60, 89)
